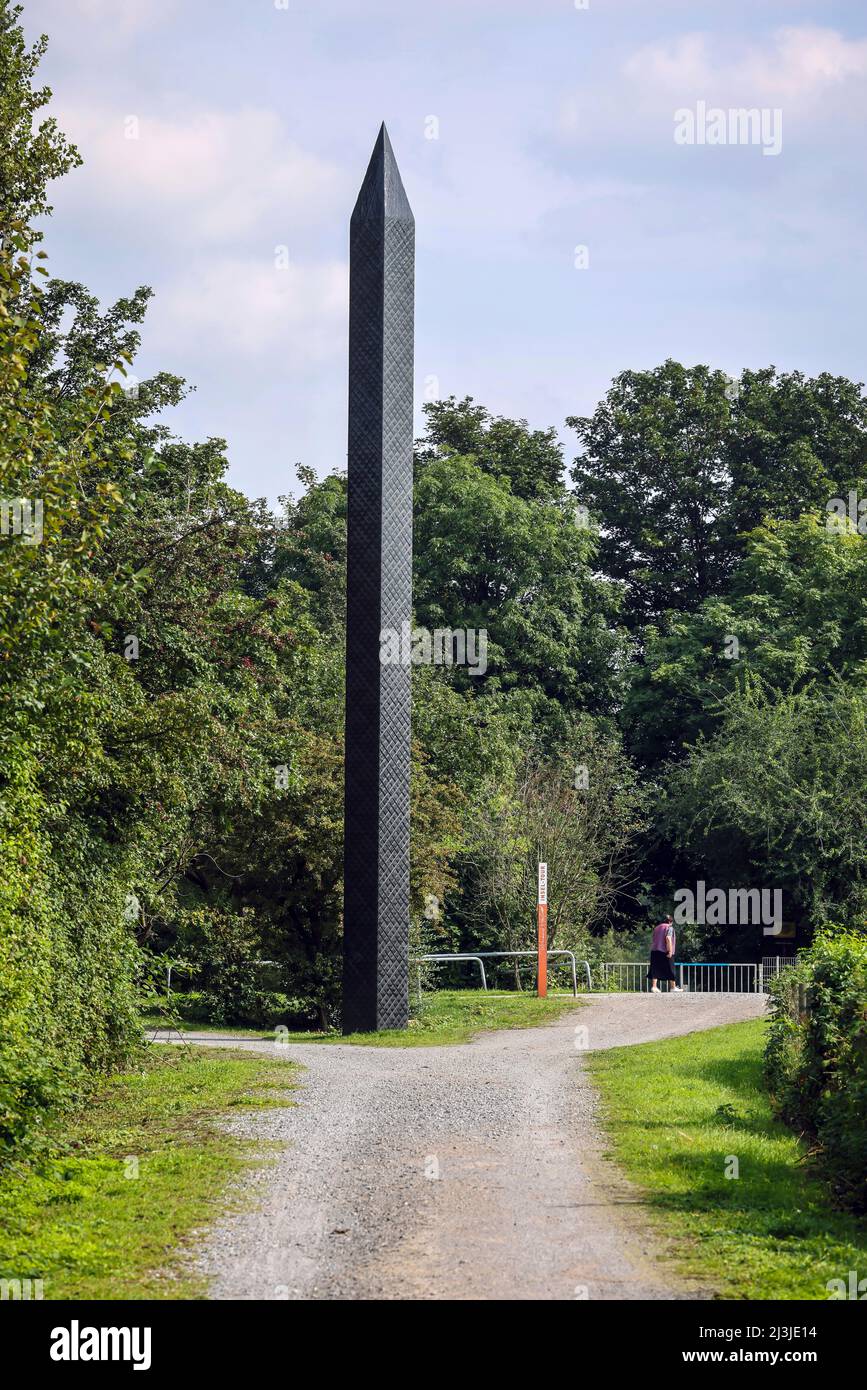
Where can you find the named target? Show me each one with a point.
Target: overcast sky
(555, 128)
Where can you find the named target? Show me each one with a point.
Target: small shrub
(816, 1056)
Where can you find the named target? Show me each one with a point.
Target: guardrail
(627, 976)
(694, 977)
(622, 976)
(720, 977)
(444, 957)
(482, 956)
(775, 965)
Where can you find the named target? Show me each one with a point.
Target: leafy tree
(797, 442)
(310, 545)
(816, 1055)
(529, 462)
(776, 799)
(581, 817)
(31, 154)
(66, 956)
(523, 572)
(794, 613)
(675, 465)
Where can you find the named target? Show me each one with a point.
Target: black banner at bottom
(166, 1339)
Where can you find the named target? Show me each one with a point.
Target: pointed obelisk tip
(382, 193)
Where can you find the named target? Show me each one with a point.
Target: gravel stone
(471, 1171)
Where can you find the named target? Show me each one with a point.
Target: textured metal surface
(379, 597)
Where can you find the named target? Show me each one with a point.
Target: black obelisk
(379, 599)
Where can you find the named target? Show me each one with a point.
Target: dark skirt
(660, 967)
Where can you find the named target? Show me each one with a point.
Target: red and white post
(542, 933)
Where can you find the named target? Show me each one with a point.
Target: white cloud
(205, 176)
(797, 66)
(813, 74)
(296, 317)
(99, 23)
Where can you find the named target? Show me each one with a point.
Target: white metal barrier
(622, 976)
(481, 956)
(630, 976)
(719, 977)
(775, 965)
(444, 957)
(694, 977)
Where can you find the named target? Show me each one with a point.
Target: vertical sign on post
(542, 933)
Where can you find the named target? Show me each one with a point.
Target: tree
(310, 545)
(777, 799)
(580, 816)
(793, 615)
(31, 155)
(522, 571)
(67, 958)
(529, 462)
(678, 462)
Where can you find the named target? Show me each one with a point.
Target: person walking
(662, 945)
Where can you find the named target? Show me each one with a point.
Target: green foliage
(171, 672)
(31, 153)
(89, 1223)
(676, 466)
(816, 1056)
(223, 948)
(529, 463)
(777, 798)
(796, 605)
(66, 997)
(522, 571)
(677, 1112)
(581, 818)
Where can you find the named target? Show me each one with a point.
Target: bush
(816, 1056)
(67, 966)
(224, 979)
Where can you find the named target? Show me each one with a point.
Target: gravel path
(473, 1171)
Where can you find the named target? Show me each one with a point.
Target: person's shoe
(654, 990)
(676, 989)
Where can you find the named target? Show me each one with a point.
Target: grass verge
(108, 1211)
(678, 1113)
(164, 1023)
(446, 1016)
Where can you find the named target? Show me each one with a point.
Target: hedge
(816, 1056)
(68, 965)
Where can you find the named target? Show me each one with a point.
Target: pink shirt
(661, 936)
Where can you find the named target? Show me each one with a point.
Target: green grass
(676, 1111)
(164, 1024)
(446, 1016)
(455, 1016)
(75, 1220)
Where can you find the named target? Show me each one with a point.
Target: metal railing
(719, 977)
(775, 965)
(628, 976)
(481, 956)
(622, 976)
(694, 977)
(443, 957)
